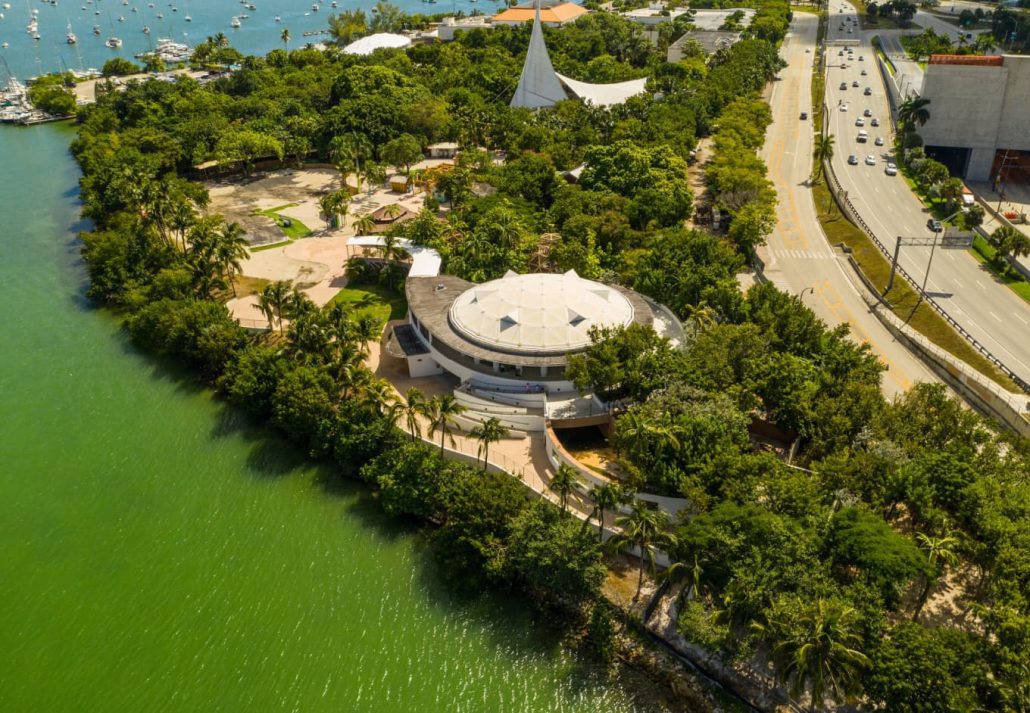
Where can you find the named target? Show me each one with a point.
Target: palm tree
(276, 297)
(490, 431)
(940, 551)
(329, 205)
(230, 250)
(913, 112)
(1009, 241)
(824, 146)
(816, 650)
(364, 223)
(645, 529)
(562, 484)
(414, 406)
(606, 497)
(285, 37)
(442, 412)
(380, 394)
(984, 43)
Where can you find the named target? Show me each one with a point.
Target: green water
(156, 555)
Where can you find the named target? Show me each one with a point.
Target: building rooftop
(555, 15)
(431, 299)
(539, 313)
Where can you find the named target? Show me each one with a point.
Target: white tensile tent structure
(540, 86)
(380, 40)
(604, 94)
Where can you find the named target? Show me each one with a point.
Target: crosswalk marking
(803, 254)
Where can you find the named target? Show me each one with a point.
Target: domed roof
(537, 314)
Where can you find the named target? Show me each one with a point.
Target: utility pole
(933, 246)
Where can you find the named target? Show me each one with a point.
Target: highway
(798, 258)
(988, 310)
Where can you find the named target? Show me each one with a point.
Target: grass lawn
(294, 231)
(985, 253)
(390, 304)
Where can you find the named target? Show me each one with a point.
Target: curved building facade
(515, 332)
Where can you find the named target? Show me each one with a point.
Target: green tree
(913, 112)
(606, 497)
(490, 431)
(1009, 241)
(816, 647)
(402, 151)
(119, 67)
(284, 37)
(562, 484)
(941, 554)
(646, 530)
(823, 152)
(916, 669)
(414, 406)
(244, 146)
(273, 301)
(442, 412)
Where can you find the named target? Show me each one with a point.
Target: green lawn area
(390, 303)
(294, 231)
(985, 253)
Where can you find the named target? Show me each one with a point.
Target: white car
(843, 107)
(891, 169)
(853, 160)
(870, 160)
(879, 141)
(859, 121)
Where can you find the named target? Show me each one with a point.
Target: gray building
(979, 112)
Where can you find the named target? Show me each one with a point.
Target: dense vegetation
(833, 568)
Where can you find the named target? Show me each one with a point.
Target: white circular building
(516, 332)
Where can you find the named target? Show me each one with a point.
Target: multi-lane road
(988, 310)
(798, 258)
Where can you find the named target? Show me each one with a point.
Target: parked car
(870, 160)
(853, 160)
(859, 121)
(804, 115)
(879, 141)
(874, 122)
(868, 91)
(891, 169)
(934, 225)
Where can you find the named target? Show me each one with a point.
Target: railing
(852, 214)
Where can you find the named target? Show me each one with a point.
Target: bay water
(158, 553)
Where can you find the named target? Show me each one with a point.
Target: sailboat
(70, 37)
(113, 42)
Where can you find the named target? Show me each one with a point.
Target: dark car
(934, 225)
(804, 115)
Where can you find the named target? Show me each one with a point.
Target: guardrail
(852, 214)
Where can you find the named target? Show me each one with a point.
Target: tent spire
(538, 85)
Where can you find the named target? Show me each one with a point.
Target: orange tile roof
(557, 14)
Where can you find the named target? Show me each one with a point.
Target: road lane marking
(994, 315)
